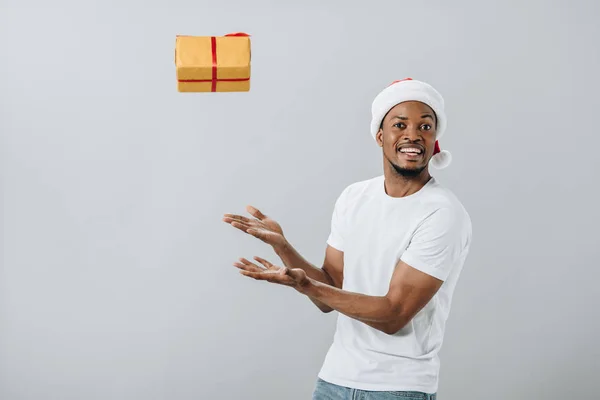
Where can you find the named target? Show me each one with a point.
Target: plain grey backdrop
(116, 278)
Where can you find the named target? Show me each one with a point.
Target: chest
(377, 236)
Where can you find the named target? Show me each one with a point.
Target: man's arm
(434, 248)
(410, 290)
(270, 232)
(331, 274)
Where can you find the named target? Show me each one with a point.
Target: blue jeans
(329, 391)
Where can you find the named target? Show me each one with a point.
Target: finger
(264, 262)
(255, 212)
(250, 263)
(261, 276)
(294, 274)
(232, 221)
(240, 225)
(247, 267)
(257, 233)
(264, 276)
(249, 229)
(236, 217)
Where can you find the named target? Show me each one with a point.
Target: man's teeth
(410, 150)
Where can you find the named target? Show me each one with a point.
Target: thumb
(293, 273)
(255, 212)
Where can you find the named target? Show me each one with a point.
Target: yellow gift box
(213, 63)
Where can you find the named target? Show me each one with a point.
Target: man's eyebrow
(403, 118)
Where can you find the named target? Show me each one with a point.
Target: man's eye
(426, 127)
(399, 125)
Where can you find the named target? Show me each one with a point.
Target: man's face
(407, 137)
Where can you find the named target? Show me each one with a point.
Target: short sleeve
(337, 232)
(439, 243)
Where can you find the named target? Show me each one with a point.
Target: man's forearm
(375, 311)
(292, 259)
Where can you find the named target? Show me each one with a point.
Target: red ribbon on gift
(214, 80)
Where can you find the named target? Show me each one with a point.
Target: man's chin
(408, 171)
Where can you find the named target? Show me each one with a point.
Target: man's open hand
(293, 277)
(261, 227)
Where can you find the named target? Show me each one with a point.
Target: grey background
(116, 278)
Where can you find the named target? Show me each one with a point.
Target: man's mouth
(411, 151)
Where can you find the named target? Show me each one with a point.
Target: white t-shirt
(430, 231)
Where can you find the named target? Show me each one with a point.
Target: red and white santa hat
(412, 90)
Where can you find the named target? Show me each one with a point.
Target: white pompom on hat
(412, 90)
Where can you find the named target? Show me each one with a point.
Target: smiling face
(407, 136)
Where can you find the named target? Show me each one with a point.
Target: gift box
(213, 63)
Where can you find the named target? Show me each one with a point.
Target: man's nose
(412, 134)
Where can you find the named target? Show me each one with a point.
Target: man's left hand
(294, 277)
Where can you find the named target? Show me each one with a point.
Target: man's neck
(397, 185)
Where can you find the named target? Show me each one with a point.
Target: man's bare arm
(410, 290)
(331, 274)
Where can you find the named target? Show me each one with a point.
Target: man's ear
(379, 137)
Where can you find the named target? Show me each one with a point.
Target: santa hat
(412, 90)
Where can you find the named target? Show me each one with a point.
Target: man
(396, 248)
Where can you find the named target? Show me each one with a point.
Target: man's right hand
(262, 227)
(270, 232)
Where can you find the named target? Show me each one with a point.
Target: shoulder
(362, 187)
(358, 189)
(446, 206)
